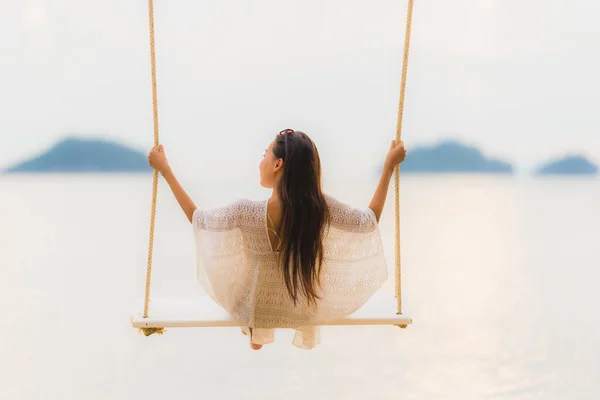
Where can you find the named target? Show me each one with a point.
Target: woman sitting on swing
(292, 260)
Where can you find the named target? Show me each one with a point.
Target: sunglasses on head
(285, 133)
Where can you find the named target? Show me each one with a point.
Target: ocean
(500, 276)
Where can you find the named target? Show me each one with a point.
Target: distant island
(569, 165)
(450, 156)
(79, 155)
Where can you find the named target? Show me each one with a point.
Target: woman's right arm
(395, 156)
(158, 160)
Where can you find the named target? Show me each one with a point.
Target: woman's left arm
(185, 201)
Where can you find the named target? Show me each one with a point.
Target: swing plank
(197, 312)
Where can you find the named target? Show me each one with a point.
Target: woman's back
(274, 222)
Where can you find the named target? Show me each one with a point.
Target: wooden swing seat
(203, 312)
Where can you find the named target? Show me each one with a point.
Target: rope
(150, 331)
(398, 136)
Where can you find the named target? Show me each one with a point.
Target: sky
(516, 78)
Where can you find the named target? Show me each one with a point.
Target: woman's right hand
(395, 155)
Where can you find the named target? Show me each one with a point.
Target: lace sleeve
(219, 219)
(355, 265)
(350, 219)
(220, 250)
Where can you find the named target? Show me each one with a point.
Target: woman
(293, 260)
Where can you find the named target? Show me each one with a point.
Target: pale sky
(517, 78)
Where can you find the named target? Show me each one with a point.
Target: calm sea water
(499, 274)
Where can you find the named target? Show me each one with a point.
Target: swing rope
(398, 136)
(150, 331)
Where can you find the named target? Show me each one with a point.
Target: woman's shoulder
(237, 207)
(349, 217)
(235, 213)
(248, 203)
(248, 208)
(334, 202)
(242, 202)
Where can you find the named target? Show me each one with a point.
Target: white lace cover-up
(238, 268)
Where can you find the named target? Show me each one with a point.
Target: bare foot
(256, 346)
(253, 345)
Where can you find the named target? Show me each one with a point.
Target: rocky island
(450, 156)
(79, 155)
(574, 164)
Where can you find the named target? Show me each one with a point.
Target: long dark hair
(304, 214)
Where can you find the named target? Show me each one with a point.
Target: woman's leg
(254, 345)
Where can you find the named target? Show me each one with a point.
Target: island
(573, 164)
(83, 155)
(451, 156)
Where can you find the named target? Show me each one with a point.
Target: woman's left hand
(158, 159)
